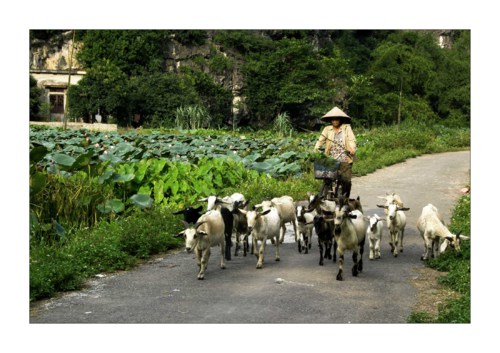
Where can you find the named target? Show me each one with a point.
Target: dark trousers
(344, 184)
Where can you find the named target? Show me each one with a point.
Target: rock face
(53, 55)
(227, 73)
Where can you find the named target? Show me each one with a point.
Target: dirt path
(294, 290)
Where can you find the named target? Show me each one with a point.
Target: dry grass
(431, 294)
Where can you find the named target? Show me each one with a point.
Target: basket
(326, 169)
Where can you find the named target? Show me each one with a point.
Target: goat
(190, 214)
(432, 229)
(391, 198)
(374, 235)
(350, 234)
(305, 222)
(240, 226)
(262, 226)
(215, 203)
(327, 207)
(208, 231)
(320, 205)
(286, 211)
(324, 231)
(396, 223)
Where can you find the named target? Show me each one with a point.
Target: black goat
(190, 214)
(324, 230)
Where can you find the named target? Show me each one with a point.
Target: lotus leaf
(141, 200)
(113, 205)
(37, 182)
(63, 159)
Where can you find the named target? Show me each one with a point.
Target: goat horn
(197, 224)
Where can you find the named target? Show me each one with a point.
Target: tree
(403, 67)
(35, 97)
(292, 78)
(451, 93)
(103, 89)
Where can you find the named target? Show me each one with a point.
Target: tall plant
(282, 125)
(192, 117)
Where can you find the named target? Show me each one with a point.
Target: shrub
(109, 246)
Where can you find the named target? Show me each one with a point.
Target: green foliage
(282, 125)
(159, 95)
(110, 246)
(191, 117)
(375, 76)
(291, 77)
(35, 97)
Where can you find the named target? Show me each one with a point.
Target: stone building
(49, 65)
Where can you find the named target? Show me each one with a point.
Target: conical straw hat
(336, 112)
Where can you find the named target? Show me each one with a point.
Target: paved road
(294, 290)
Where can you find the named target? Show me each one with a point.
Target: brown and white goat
(350, 234)
(208, 231)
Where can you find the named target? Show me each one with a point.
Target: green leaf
(63, 159)
(59, 230)
(123, 178)
(141, 200)
(105, 176)
(113, 205)
(38, 182)
(158, 191)
(83, 160)
(37, 154)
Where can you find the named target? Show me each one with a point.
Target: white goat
(374, 235)
(396, 223)
(305, 221)
(391, 198)
(286, 211)
(216, 203)
(350, 234)
(208, 231)
(262, 226)
(432, 229)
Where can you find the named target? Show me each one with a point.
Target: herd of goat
(339, 225)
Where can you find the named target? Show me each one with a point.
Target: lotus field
(77, 176)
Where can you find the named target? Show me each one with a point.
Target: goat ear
(444, 245)
(265, 212)
(180, 234)
(203, 199)
(244, 212)
(201, 234)
(463, 237)
(199, 208)
(382, 206)
(404, 208)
